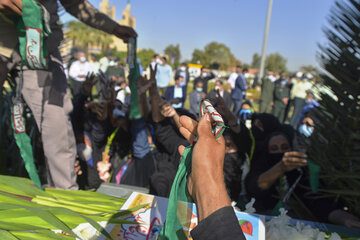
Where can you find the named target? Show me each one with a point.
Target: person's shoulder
(75, 63)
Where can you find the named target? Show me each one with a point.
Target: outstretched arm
(87, 13)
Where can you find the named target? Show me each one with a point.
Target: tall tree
(82, 36)
(275, 62)
(215, 55)
(173, 51)
(256, 59)
(145, 55)
(336, 139)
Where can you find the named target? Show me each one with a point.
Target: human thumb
(204, 127)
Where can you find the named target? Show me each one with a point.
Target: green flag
(24, 143)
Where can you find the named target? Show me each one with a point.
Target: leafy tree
(309, 68)
(173, 51)
(82, 36)
(145, 55)
(198, 56)
(215, 55)
(275, 62)
(256, 59)
(336, 139)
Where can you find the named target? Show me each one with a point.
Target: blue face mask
(283, 82)
(305, 130)
(199, 89)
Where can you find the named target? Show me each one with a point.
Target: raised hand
(143, 84)
(99, 108)
(153, 74)
(293, 160)
(206, 181)
(167, 110)
(88, 84)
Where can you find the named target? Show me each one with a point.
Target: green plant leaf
(7, 235)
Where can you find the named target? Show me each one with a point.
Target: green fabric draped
(33, 28)
(314, 174)
(24, 144)
(133, 76)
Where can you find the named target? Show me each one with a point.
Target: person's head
(219, 85)
(264, 124)
(108, 54)
(278, 143)
(122, 84)
(82, 57)
(156, 56)
(309, 96)
(117, 61)
(183, 66)
(238, 69)
(93, 57)
(283, 74)
(178, 80)
(204, 72)
(245, 70)
(199, 87)
(163, 61)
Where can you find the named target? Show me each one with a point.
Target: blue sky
(295, 29)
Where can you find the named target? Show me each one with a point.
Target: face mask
(199, 89)
(274, 158)
(283, 82)
(82, 59)
(84, 151)
(217, 88)
(231, 157)
(118, 113)
(305, 130)
(204, 74)
(158, 61)
(246, 75)
(183, 69)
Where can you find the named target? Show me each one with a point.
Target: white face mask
(246, 75)
(158, 61)
(183, 68)
(217, 88)
(127, 89)
(82, 59)
(84, 151)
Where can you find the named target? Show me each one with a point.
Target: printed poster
(153, 217)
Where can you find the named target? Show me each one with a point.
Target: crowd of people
(265, 159)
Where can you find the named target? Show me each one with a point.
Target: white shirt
(79, 68)
(104, 64)
(178, 93)
(122, 93)
(232, 79)
(95, 66)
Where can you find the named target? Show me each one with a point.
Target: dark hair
(164, 58)
(156, 55)
(219, 81)
(184, 64)
(178, 76)
(238, 66)
(245, 70)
